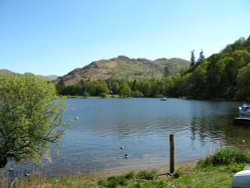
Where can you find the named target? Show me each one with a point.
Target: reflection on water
(142, 126)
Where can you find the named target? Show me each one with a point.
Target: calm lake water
(142, 126)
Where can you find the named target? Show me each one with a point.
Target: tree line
(225, 75)
(121, 88)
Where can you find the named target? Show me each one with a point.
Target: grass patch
(146, 175)
(62, 182)
(225, 157)
(215, 171)
(143, 178)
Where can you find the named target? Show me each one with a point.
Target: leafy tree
(243, 83)
(113, 86)
(242, 57)
(124, 90)
(228, 49)
(157, 88)
(231, 70)
(173, 85)
(137, 93)
(101, 88)
(197, 82)
(144, 87)
(214, 79)
(30, 117)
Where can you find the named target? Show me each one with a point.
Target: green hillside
(223, 75)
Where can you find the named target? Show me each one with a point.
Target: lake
(142, 126)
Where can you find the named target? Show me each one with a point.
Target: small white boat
(163, 99)
(244, 109)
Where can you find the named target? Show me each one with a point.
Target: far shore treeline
(225, 75)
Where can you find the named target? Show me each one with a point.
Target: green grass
(189, 176)
(215, 171)
(225, 157)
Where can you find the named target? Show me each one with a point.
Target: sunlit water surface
(142, 126)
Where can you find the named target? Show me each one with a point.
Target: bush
(85, 94)
(225, 157)
(146, 175)
(103, 95)
(31, 117)
(137, 94)
(129, 175)
(113, 182)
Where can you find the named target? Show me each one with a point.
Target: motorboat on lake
(163, 99)
(244, 109)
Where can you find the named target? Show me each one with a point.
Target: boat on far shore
(244, 110)
(163, 99)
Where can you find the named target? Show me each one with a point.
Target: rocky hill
(123, 67)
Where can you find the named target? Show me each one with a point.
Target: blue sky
(56, 36)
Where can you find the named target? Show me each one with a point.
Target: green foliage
(129, 175)
(124, 180)
(201, 57)
(192, 59)
(225, 157)
(243, 82)
(85, 94)
(85, 89)
(31, 117)
(146, 175)
(113, 182)
(223, 75)
(137, 93)
(103, 95)
(189, 176)
(212, 176)
(124, 90)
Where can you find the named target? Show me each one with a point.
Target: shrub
(146, 175)
(85, 94)
(103, 95)
(129, 175)
(225, 157)
(113, 182)
(137, 93)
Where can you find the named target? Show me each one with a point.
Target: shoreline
(159, 169)
(187, 174)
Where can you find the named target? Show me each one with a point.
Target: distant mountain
(123, 67)
(48, 78)
(5, 71)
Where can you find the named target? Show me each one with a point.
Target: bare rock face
(123, 67)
